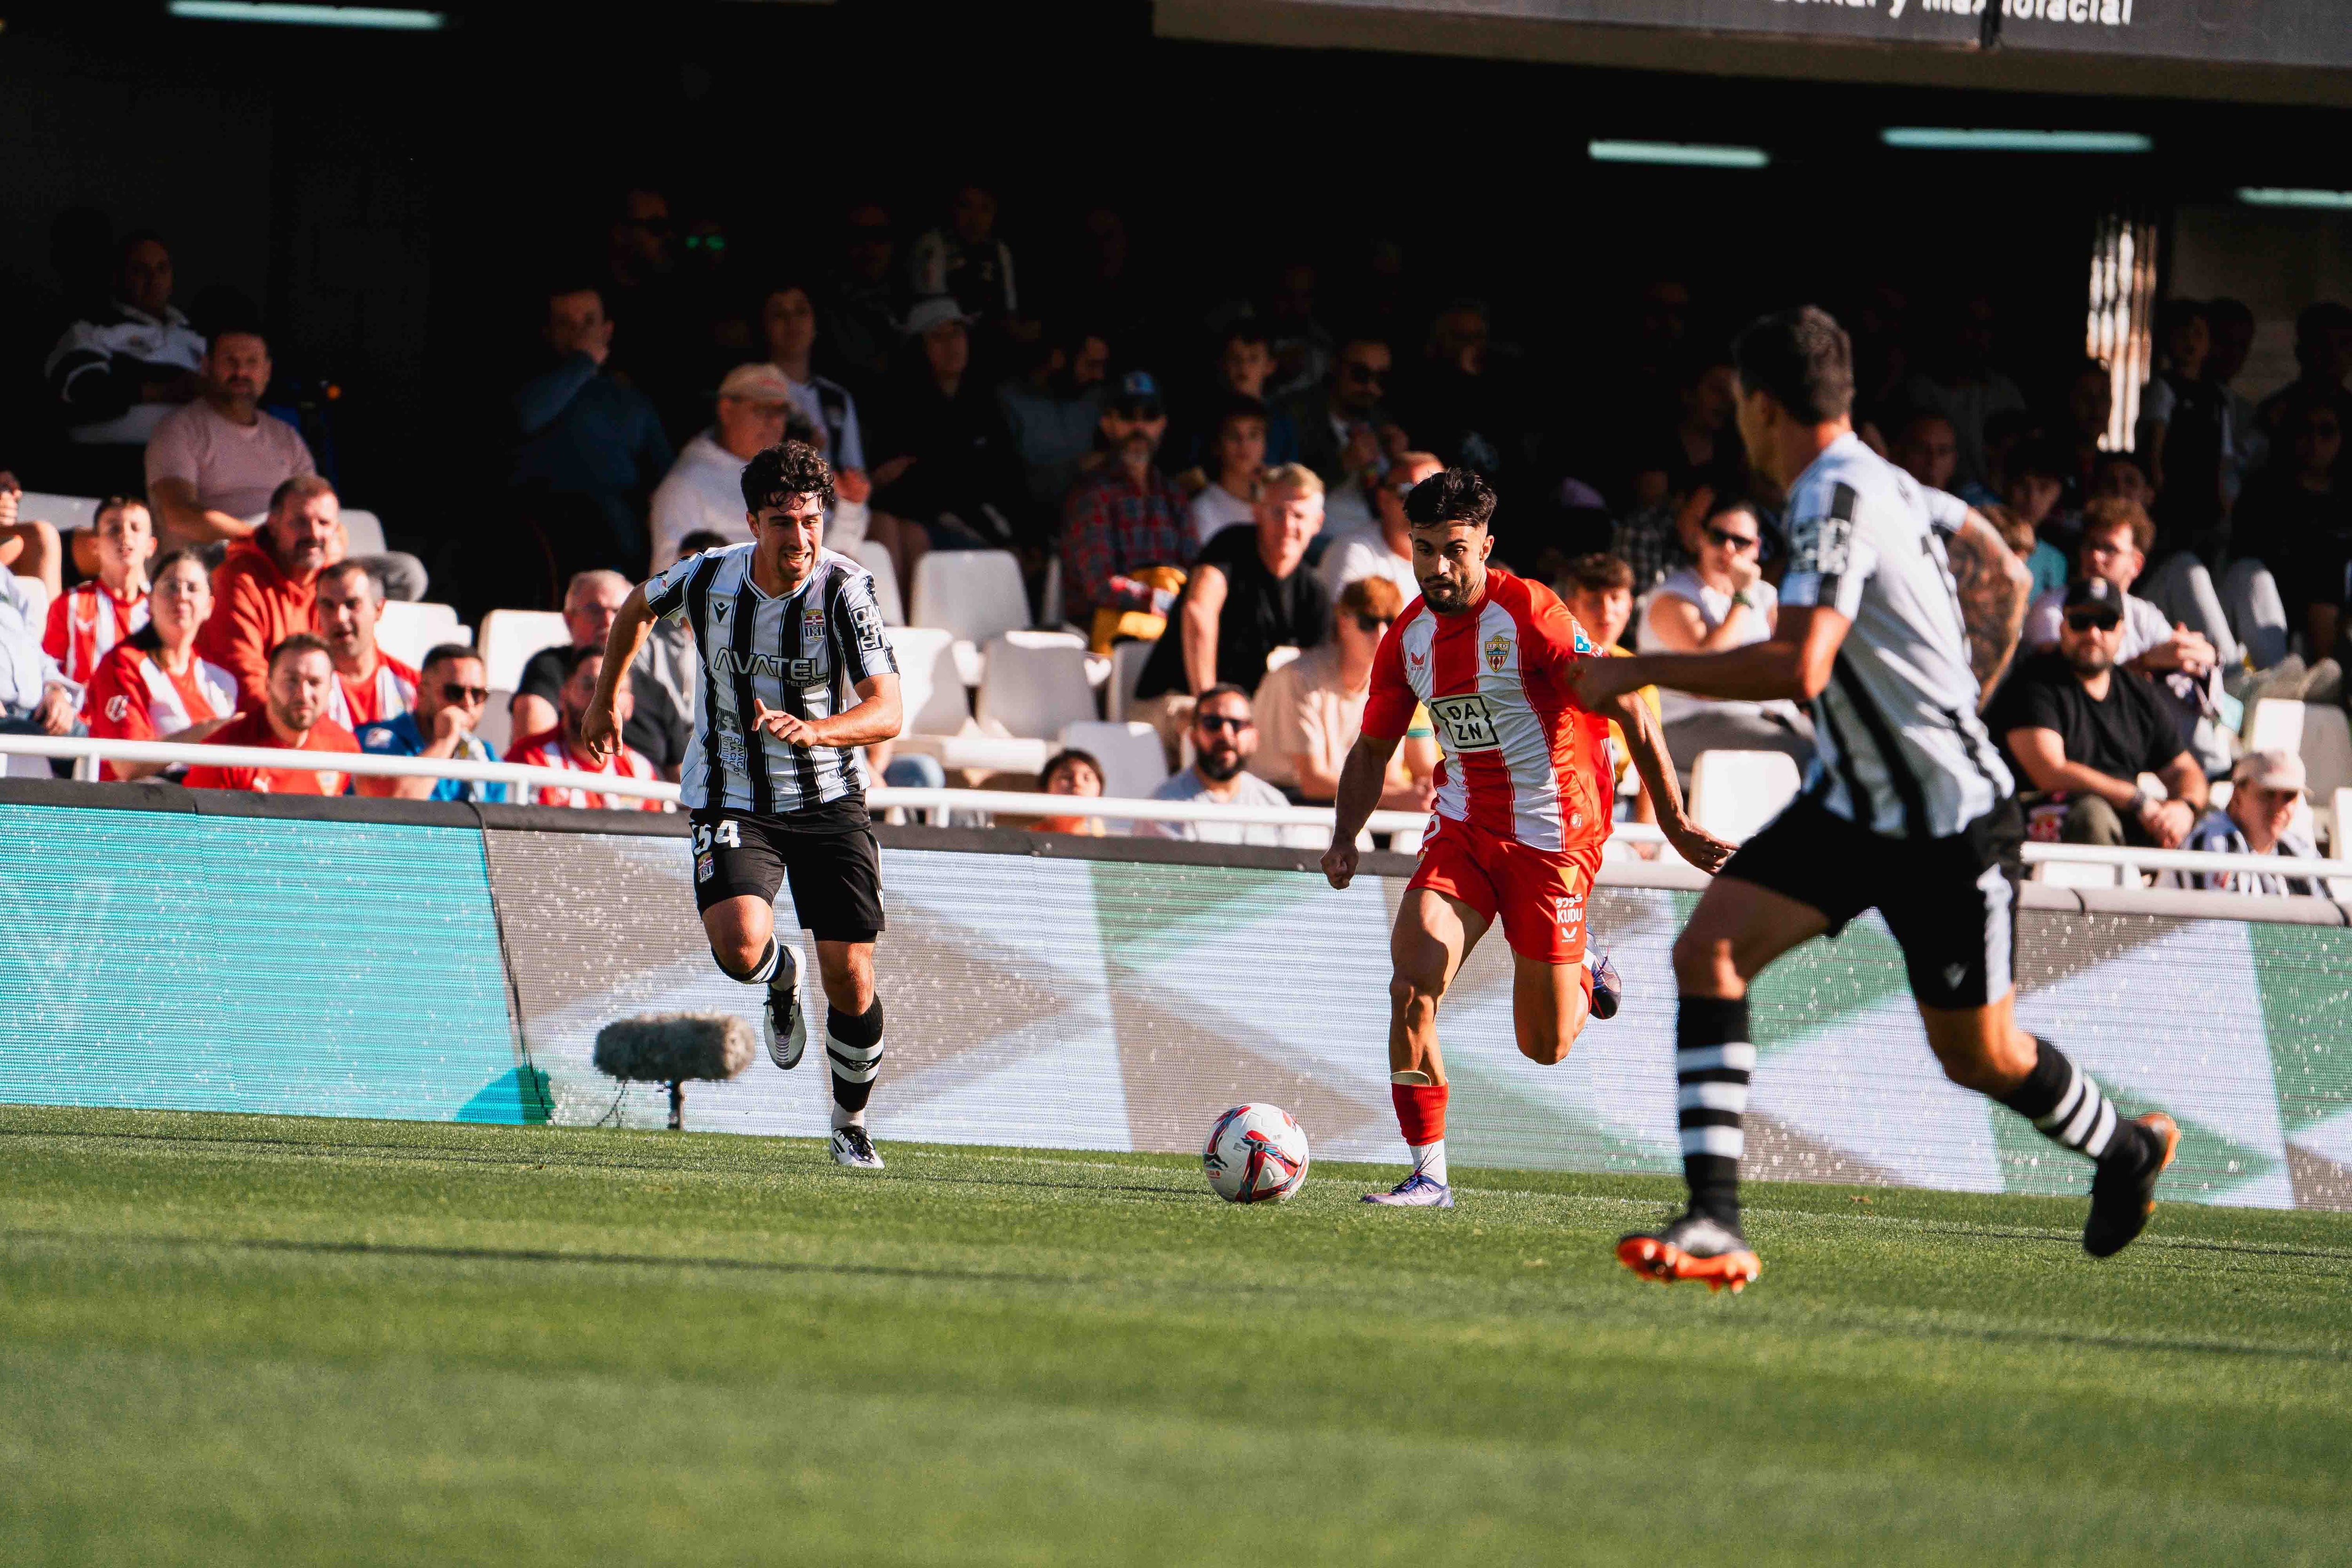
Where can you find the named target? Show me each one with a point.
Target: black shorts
(1951, 902)
(836, 876)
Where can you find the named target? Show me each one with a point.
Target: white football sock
(1429, 1160)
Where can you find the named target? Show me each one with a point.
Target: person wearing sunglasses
(1225, 736)
(1338, 423)
(452, 689)
(2080, 730)
(1720, 602)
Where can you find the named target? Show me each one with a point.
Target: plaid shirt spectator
(1650, 542)
(1111, 529)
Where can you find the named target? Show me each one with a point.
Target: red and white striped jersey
(387, 694)
(133, 697)
(1523, 762)
(548, 749)
(85, 622)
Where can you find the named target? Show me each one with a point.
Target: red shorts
(1539, 893)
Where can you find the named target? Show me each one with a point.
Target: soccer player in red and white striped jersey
(371, 686)
(562, 747)
(152, 686)
(87, 621)
(1523, 804)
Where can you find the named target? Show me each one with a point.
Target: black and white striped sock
(765, 969)
(2061, 1100)
(853, 1044)
(1713, 1057)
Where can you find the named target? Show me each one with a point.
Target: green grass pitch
(236, 1340)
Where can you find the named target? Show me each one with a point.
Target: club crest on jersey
(1498, 650)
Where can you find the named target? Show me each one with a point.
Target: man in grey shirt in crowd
(1225, 735)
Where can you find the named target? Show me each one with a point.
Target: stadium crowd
(1224, 482)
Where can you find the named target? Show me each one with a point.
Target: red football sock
(1420, 1112)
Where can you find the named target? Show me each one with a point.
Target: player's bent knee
(1703, 962)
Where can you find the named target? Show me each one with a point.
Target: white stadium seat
(363, 533)
(64, 513)
(1732, 794)
(1127, 661)
(871, 554)
(510, 638)
(975, 594)
(1134, 763)
(939, 720)
(1033, 688)
(498, 725)
(407, 631)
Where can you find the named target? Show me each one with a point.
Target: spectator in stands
(2004, 433)
(1599, 592)
(291, 715)
(2322, 348)
(451, 692)
(116, 373)
(1225, 738)
(1720, 602)
(1455, 401)
(1249, 594)
(788, 324)
(2183, 432)
(1340, 423)
(1384, 549)
(1123, 524)
(964, 258)
(2247, 445)
(593, 447)
(33, 547)
(36, 698)
(85, 624)
(152, 686)
(863, 305)
(952, 467)
(1237, 453)
(560, 745)
(1703, 447)
(1244, 365)
(266, 588)
(653, 725)
(1303, 348)
(1923, 447)
(1054, 409)
(2090, 409)
(659, 342)
(215, 462)
(371, 686)
(1072, 772)
(2265, 789)
(1961, 385)
(1310, 710)
(2079, 732)
(2033, 478)
(703, 491)
(2115, 537)
(2296, 517)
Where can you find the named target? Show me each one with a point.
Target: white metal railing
(937, 804)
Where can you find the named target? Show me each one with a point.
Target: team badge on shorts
(1498, 650)
(706, 866)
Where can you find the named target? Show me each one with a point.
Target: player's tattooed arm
(1993, 587)
(1647, 745)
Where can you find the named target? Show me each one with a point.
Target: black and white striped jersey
(1898, 746)
(802, 653)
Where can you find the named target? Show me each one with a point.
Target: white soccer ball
(1255, 1154)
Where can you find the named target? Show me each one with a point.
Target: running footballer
(1523, 806)
(1899, 610)
(796, 673)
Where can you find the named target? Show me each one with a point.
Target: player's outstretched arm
(1994, 587)
(1795, 665)
(599, 727)
(1361, 779)
(1646, 744)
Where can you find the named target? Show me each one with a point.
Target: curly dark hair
(787, 469)
(1803, 358)
(1451, 495)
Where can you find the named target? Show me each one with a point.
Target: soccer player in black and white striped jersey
(1899, 611)
(796, 673)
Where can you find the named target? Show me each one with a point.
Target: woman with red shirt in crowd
(152, 686)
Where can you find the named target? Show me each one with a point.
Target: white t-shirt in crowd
(1248, 790)
(1713, 608)
(234, 467)
(1214, 508)
(1365, 553)
(704, 489)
